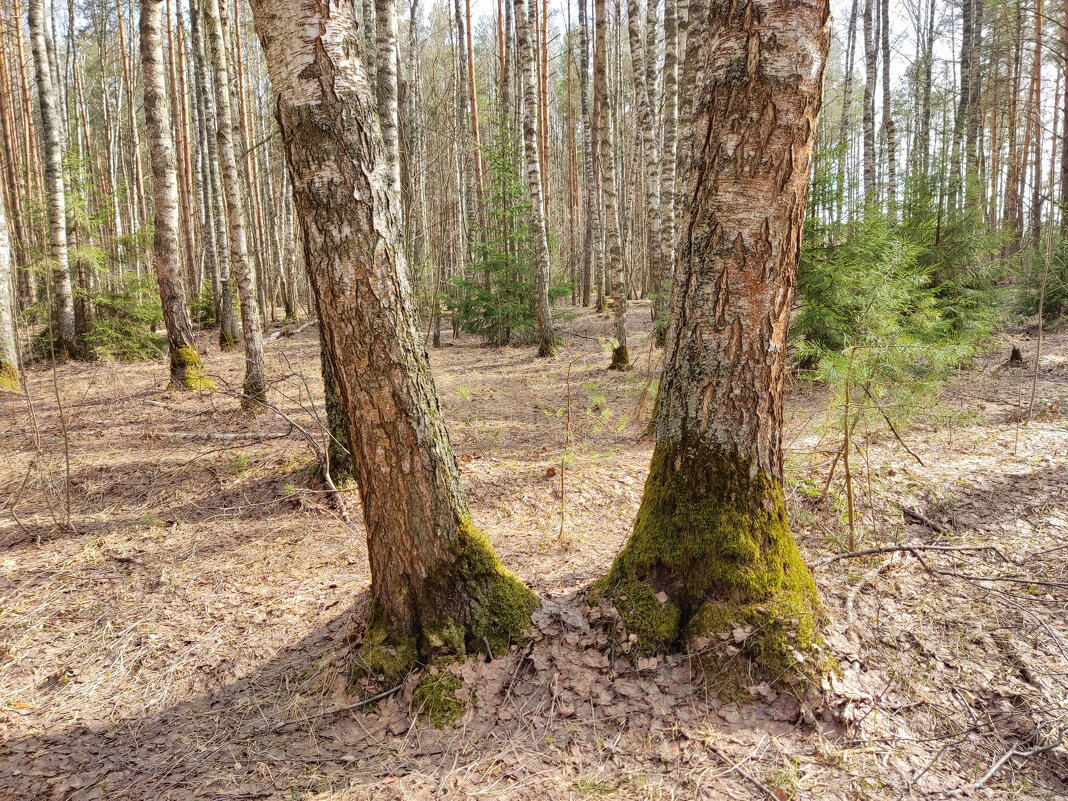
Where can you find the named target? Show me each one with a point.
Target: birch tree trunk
(869, 102)
(9, 357)
(186, 369)
(888, 119)
(528, 88)
(254, 388)
(620, 355)
(847, 107)
(669, 156)
(591, 248)
(711, 534)
(437, 587)
(51, 132)
(647, 123)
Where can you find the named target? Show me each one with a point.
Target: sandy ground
(177, 615)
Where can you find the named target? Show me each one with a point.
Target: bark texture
(438, 590)
(51, 133)
(186, 369)
(711, 533)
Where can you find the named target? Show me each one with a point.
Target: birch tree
(9, 357)
(437, 587)
(711, 549)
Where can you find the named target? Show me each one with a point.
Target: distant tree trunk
(51, 131)
(960, 120)
(1011, 207)
(711, 549)
(437, 587)
(888, 118)
(215, 233)
(255, 388)
(660, 274)
(620, 355)
(528, 84)
(870, 72)
(669, 158)
(922, 149)
(592, 233)
(1035, 109)
(847, 108)
(9, 356)
(186, 369)
(1064, 129)
(386, 91)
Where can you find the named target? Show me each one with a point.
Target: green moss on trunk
(187, 371)
(620, 359)
(475, 606)
(9, 377)
(711, 551)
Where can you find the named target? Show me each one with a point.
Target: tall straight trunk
(711, 549)
(1011, 207)
(870, 72)
(660, 275)
(186, 369)
(528, 85)
(437, 587)
(135, 136)
(847, 108)
(1035, 110)
(9, 356)
(208, 216)
(921, 151)
(614, 265)
(973, 129)
(669, 154)
(416, 220)
(187, 232)
(592, 233)
(254, 388)
(472, 99)
(960, 120)
(1064, 129)
(888, 118)
(386, 90)
(51, 130)
(22, 274)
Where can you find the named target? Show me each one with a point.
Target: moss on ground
(712, 541)
(9, 377)
(187, 371)
(435, 701)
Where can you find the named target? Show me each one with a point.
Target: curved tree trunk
(437, 587)
(51, 123)
(9, 357)
(254, 388)
(711, 533)
(528, 83)
(186, 369)
(620, 355)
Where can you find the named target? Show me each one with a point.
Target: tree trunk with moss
(438, 590)
(9, 357)
(711, 550)
(186, 369)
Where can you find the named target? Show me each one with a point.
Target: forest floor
(187, 634)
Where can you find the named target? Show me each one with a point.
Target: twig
(328, 712)
(291, 332)
(912, 516)
(1016, 752)
(865, 580)
(892, 428)
(909, 549)
(736, 767)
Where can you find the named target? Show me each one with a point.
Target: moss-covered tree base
(187, 372)
(478, 606)
(710, 554)
(546, 348)
(9, 377)
(620, 359)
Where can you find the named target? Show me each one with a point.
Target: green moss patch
(435, 701)
(187, 371)
(620, 359)
(711, 550)
(9, 377)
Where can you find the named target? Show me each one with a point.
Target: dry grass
(184, 634)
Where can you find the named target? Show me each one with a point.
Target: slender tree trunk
(528, 84)
(9, 356)
(1035, 110)
(593, 215)
(437, 587)
(51, 125)
(647, 127)
(847, 108)
(711, 534)
(386, 91)
(669, 161)
(135, 136)
(186, 369)
(870, 71)
(254, 388)
(922, 154)
(888, 118)
(1064, 129)
(620, 355)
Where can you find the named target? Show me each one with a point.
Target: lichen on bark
(710, 552)
(9, 377)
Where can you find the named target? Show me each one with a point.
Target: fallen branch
(912, 516)
(221, 437)
(1016, 752)
(736, 767)
(328, 712)
(913, 549)
(291, 332)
